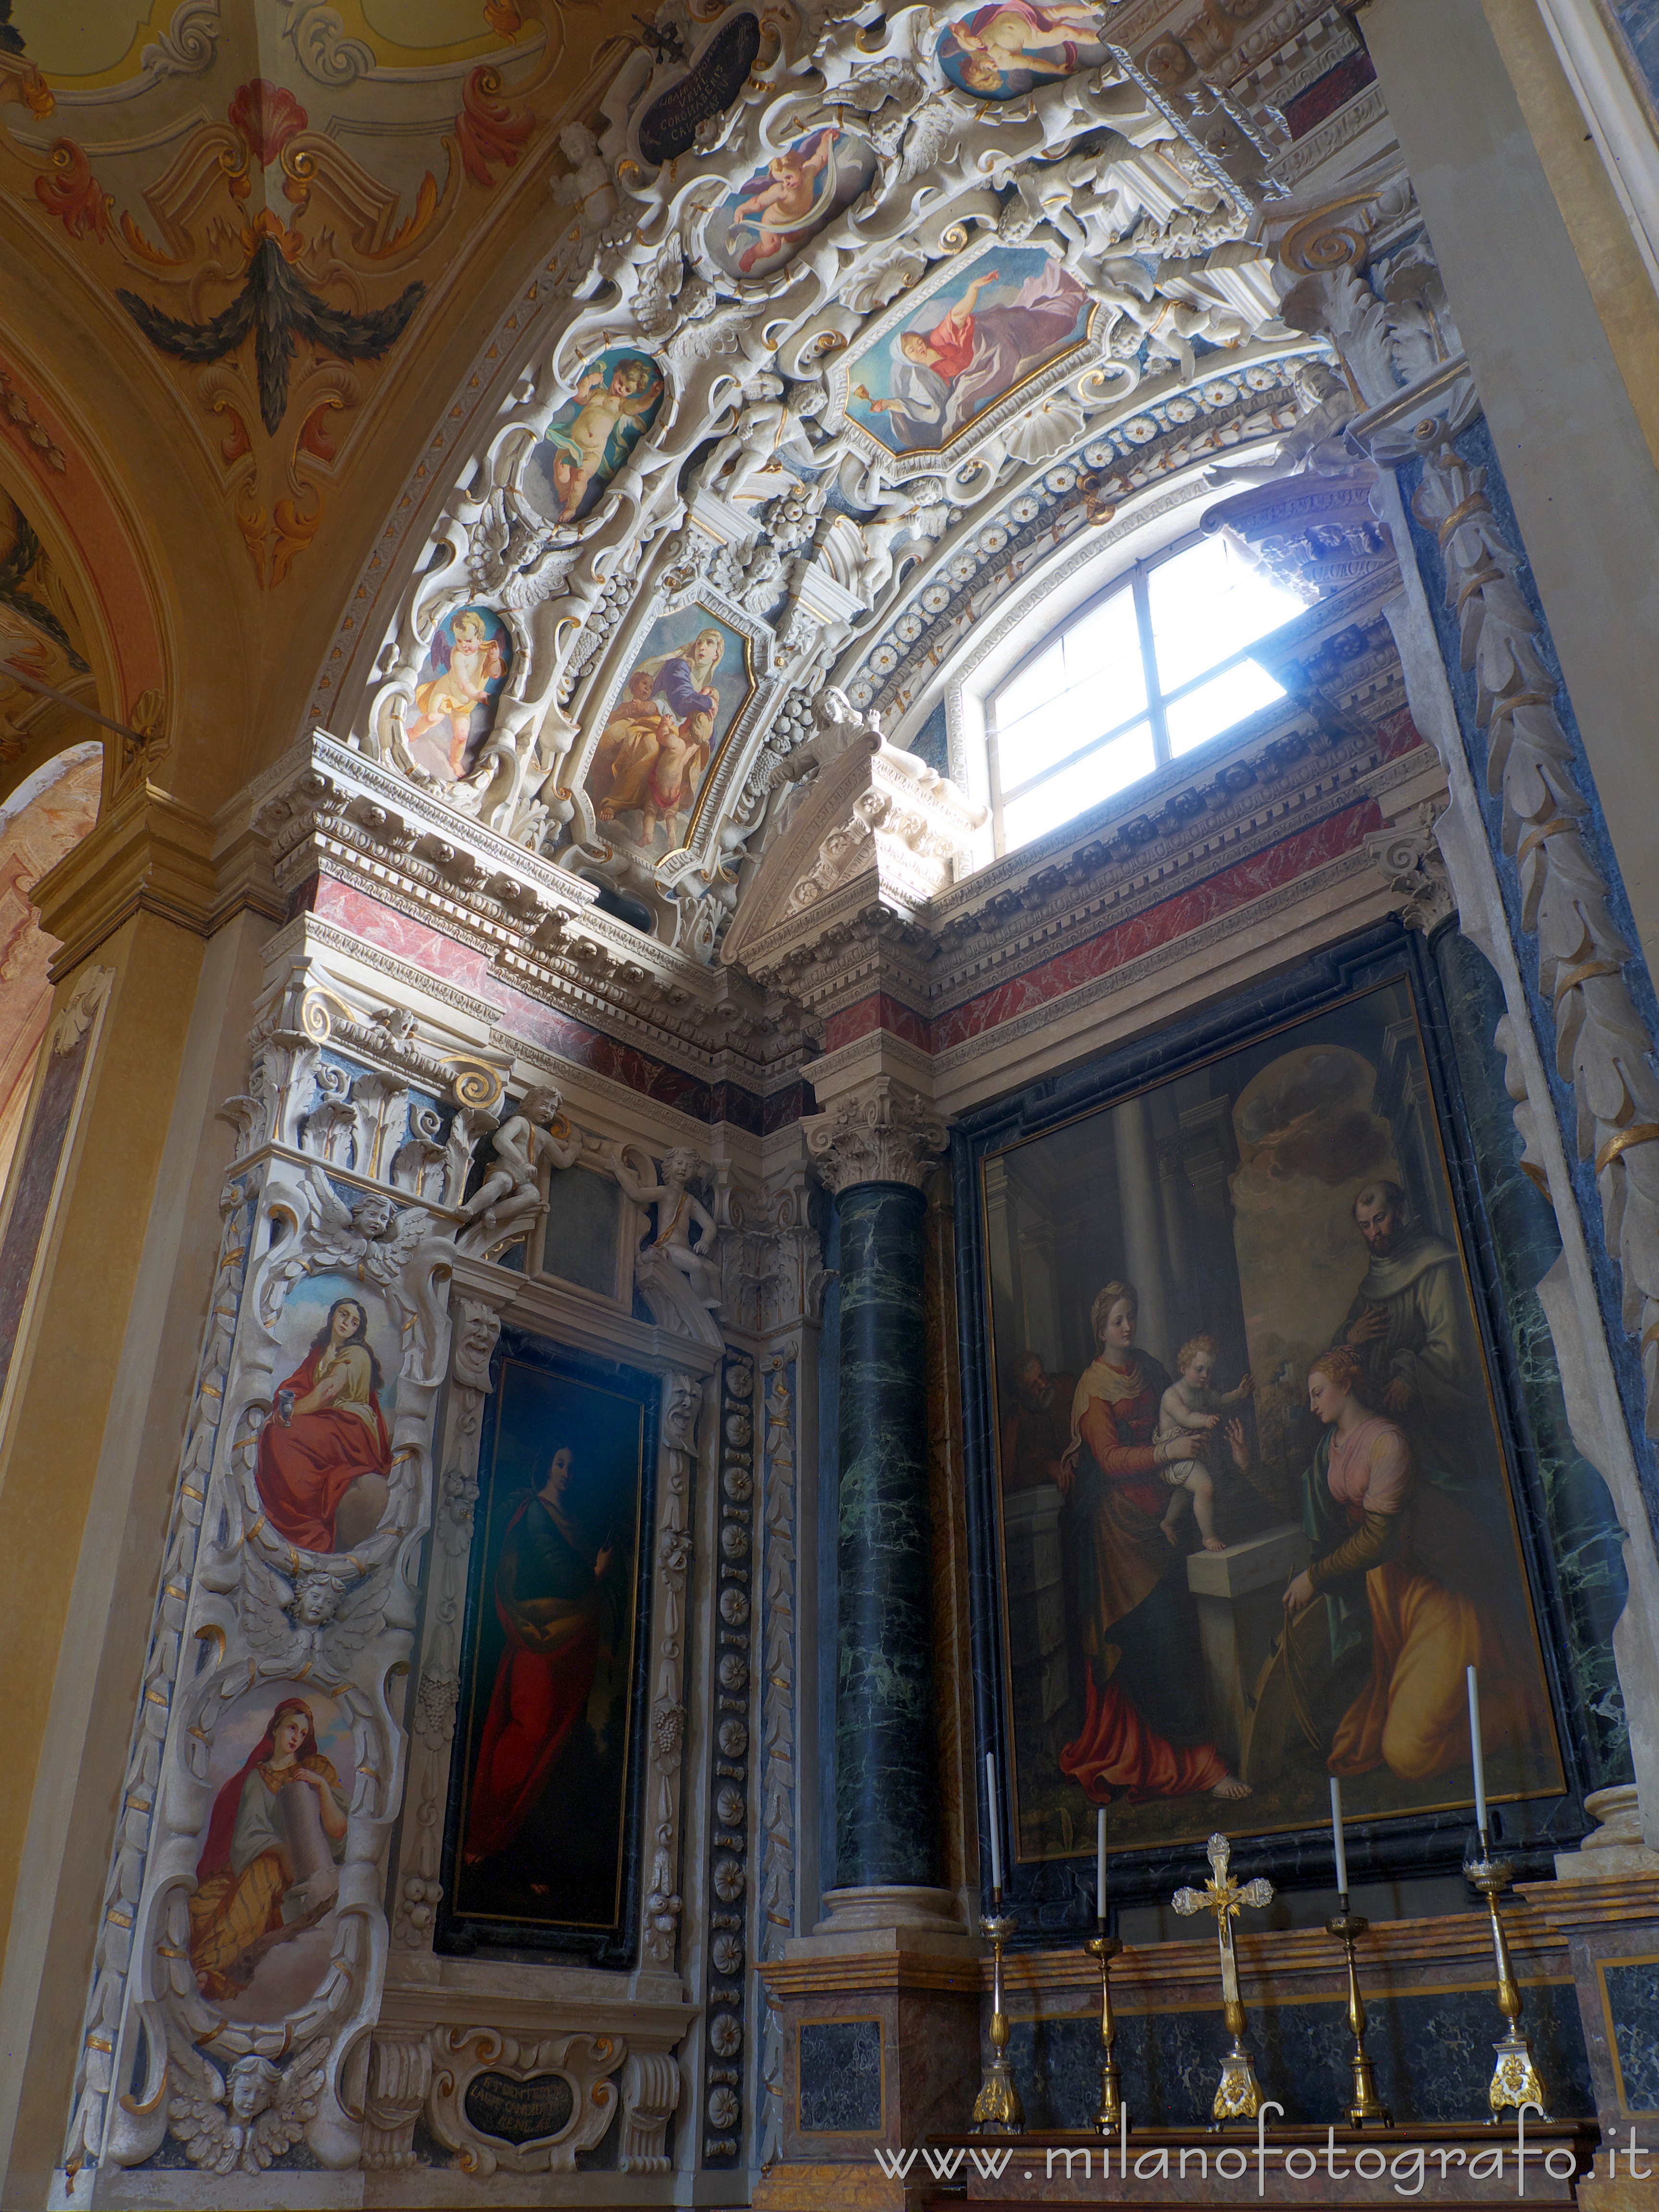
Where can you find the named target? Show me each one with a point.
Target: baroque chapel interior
(828, 1119)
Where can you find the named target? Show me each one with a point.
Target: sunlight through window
(1158, 666)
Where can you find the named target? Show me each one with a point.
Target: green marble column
(887, 1813)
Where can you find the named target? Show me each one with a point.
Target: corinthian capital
(878, 1132)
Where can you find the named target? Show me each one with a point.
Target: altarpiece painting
(543, 1814)
(1253, 1499)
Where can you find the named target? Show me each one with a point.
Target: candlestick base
(1366, 2108)
(998, 2109)
(1238, 2093)
(1516, 2079)
(1105, 1948)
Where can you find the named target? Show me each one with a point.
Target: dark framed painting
(542, 1839)
(1248, 1473)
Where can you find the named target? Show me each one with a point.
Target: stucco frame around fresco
(1055, 1893)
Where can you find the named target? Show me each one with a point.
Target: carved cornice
(150, 853)
(325, 810)
(879, 1131)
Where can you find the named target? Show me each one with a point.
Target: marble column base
(1615, 1846)
(880, 2047)
(906, 1908)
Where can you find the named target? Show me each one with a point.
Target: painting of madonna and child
(973, 340)
(539, 1812)
(1256, 1518)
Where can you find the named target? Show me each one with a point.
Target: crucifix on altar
(1238, 2093)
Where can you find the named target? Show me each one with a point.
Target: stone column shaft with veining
(873, 1151)
(886, 1784)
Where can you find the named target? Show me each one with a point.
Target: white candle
(1100, 1863)
(1336, 1836)
(991, 1815)
(1476, 1753)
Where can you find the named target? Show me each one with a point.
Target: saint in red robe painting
(559, 1609)
(324, 1453)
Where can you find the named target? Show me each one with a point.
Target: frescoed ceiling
(41, 634)
(273, 193)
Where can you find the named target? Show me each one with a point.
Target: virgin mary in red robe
(557, 1611)
(332, 1435)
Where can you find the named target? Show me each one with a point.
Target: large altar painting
(966, 347)
(1255, 1517)
(540, 1814)
(678, 702)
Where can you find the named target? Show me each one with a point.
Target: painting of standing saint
(539, 1819)
(1006, 50)
(1253, 1500)
(973, 341)
(678, 702)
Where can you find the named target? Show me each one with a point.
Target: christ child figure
(579, 447)
(680, 761)
(782, 204)
(1189, 1408)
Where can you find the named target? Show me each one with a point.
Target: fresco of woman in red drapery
(267, 1871)
(559, 1608)
(1145, 1729)
(326, 1446)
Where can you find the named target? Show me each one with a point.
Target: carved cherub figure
(248, 2118)
(679, 1213)
(512, 1189)
(588, 188)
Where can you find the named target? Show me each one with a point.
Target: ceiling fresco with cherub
(873, 332)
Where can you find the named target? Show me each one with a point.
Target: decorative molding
(731, 1765)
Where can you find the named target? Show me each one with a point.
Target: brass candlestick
(997, 2108)
(1515, 2081)
(1238, 2093)
(1106, 1948)
(1367, 2108)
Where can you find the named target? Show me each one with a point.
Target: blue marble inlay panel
(839, 2077)
(1633, 2002)
(1433, 2054)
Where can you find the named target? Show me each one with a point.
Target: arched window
(1156, 665)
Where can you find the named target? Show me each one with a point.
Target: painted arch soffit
(271, 200)
(769, 394)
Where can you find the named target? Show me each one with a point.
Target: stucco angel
(680, 1213)
(511, 1193)
(248, 2117)
(314, 1624)
(772, 422)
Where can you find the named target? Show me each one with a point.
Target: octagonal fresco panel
(1007, 49)
(970, 344)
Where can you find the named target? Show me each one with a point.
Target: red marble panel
(879, 1011)
(1398, 734)
(422, 947)
(1220, 894)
